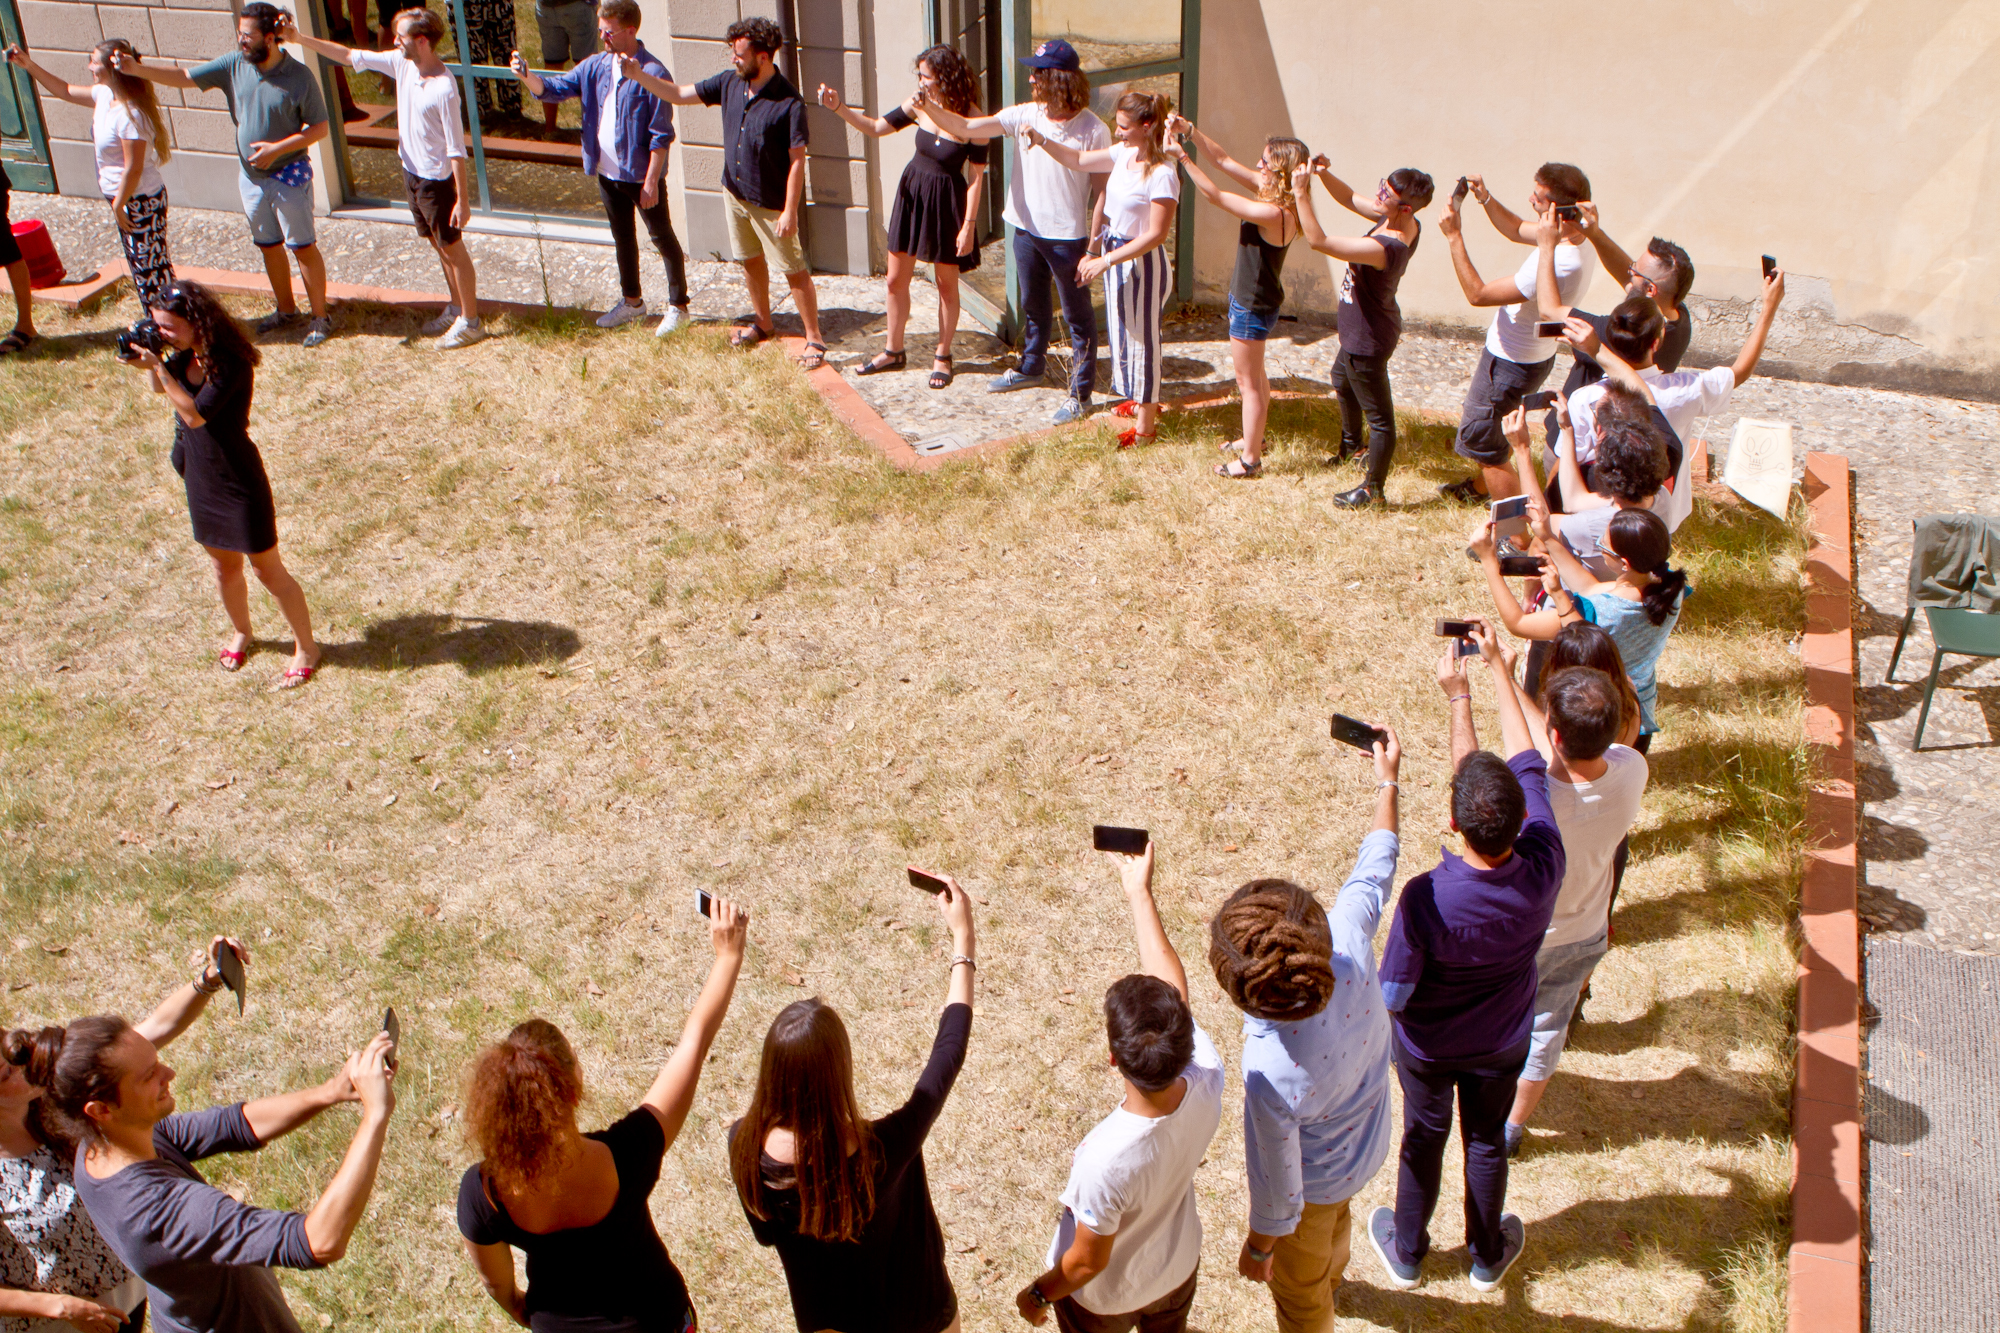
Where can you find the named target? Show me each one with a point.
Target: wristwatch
(1035, 1292)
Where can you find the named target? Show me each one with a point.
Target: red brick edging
(1826, 1260)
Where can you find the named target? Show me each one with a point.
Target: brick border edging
(1826, 1259)
(82, 295)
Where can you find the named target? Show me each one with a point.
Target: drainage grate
(949, 442)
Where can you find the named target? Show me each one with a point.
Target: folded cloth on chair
(1955, 562)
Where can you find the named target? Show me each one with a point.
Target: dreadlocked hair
(1271, 950)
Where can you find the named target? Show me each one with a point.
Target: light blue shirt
(1316, 1092)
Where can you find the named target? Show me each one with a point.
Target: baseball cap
(1054, 54)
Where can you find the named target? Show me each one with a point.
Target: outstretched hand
(829, 98)
(1515, 427)
(728, 928)
(1388, 753)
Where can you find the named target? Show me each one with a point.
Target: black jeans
(1362, 385)
(1484, 1087)
(1039, 261)
(621, 201)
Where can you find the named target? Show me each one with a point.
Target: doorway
(24, 143)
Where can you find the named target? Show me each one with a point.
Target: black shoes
(1358, 498)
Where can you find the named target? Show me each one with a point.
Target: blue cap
(1054, 54)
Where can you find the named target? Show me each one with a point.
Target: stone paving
(1928, 874)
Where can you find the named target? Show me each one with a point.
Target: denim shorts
(1247, 325)
(1563, 969)
(278, 212)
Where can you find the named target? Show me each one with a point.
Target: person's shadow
(478, 644)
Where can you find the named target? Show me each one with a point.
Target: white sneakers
(622, 313)
(432, 328)
(462, 333)
(676, 318)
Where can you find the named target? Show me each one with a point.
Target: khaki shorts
(753, 231)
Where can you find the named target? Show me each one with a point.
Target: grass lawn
(607, 621)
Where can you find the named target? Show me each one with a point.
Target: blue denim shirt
(1316, 1092)
(645, 122)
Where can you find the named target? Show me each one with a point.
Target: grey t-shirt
(267, 107)
(205, 1258)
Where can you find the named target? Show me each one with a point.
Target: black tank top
(1258, 285)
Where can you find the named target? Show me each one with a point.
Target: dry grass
(608, 621)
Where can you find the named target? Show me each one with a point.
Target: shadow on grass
(477, 644)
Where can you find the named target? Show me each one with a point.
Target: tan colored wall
(1854, 139)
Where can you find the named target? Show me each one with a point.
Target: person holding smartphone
(54, 1267)
(1516, 358)
(578, 1204)
(1316, 1115)
(843, 1200)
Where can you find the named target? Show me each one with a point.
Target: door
(973, 27)
(24, 145)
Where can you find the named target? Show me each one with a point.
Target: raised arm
(1353, 249)
(1368, 206)
(1236, 205)
(1513, 726)
(680, 94)
(173, 76)
(1753, 346)
(529, 79)
(1156, 955)
(1548, 297)
(69, 92)
(173, 1015)
(1179, 127)
(288, 31)
(874, 126)
(1478, 292)
(1609, 253)
(672, 1093)
(1457, 689)
(330, 1222)
(1504, 219)
(1083, 160)
(960, 127)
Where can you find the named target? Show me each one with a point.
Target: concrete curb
(1826, 1260)
(83, 295)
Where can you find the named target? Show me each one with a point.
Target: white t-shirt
(1684, 397)
(1593, 818)
(111, 123)
(1044, 197)
(1130, 192)
(428, 133)
(1133, 1178)
(1512, 336)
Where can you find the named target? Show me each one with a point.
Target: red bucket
(44, 268)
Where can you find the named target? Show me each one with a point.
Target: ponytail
(1661, 596)
(1641, 540)
(1150, 110)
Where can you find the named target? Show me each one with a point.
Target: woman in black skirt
(937, 202)
(209, 376)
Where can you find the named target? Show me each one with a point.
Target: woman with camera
(130, 135)
(57, 1275)
(844, 1200)
(208, 376)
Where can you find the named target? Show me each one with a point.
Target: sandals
(231, 660)
(1241, 469)
(16, 341)
(749, 335)
(886, 361)
(1128, 408)
(1128, 438)
(295, 677)
(815, 356)
(941, 379)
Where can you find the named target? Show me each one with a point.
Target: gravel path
(1929, 874)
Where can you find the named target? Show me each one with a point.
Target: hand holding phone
(1510, 517)
(1351, 731)
(228, 959)
(1568, 212)
(1453, 629)
(1123, 841)
(394, 1028)
(929, 883)
(1550, 328)
(1770, 267)
(1522, 566)
(1540, 400)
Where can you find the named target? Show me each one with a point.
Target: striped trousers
(1135, 297)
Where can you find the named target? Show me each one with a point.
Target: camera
(144, 334)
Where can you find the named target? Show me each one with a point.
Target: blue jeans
(1038, 260)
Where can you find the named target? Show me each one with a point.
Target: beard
(256, 52)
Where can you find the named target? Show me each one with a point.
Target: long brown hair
(1063, 93)
(956, 87)
(520, 1104)
(1583, 644)
(805, 1084)
(1150, 110)
(136, 93)
(68, 1064)
(1282, 155)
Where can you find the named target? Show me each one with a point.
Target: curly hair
(1282, 155)
(1063, 93)
(215, 329)
(764, 35)
(955, 85)
(1271, 951)
(520, 1103)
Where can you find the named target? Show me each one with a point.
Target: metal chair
(1962, 633)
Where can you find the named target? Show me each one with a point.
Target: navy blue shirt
(759, 131)
(1458, 970)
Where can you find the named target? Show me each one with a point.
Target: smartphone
(1453, 629)
(1458, 195)
(1568, 212)
(1510, 517)
(704, 902)
(1540, 400)
(1770, 267)
(1521, 566)
(1358, 734)
(1550, 328)
(928, 883)
(1466, 648)
(394, 1028)
(1124, 841)
(231, 967)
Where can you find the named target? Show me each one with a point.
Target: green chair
(1963, 633)
(1955, 563)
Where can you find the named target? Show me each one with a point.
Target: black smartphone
(1540, 399)
(1124, 841)
(1453, 629)
(230, 965)
(1521, 566)
(1466, 648)
(1550, 328)
(1360, 735)
(394, 1028)
(928, 883)
(1568, 212)
(1458, 195)
(704, 902)
(1770, 267)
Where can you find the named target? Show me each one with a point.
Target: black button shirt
(759, 131)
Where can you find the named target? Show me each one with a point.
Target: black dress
(228, 495)
(930, 199)
(612, 1275)
(892, 1279)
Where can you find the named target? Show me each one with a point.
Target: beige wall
(1853, 139)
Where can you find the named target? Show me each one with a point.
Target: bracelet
(1261, 1256)
(1392, 785)
(1454, 698)
(958, 958)
(203, 985)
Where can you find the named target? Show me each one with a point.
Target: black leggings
(1362, 385)
(621, 201)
